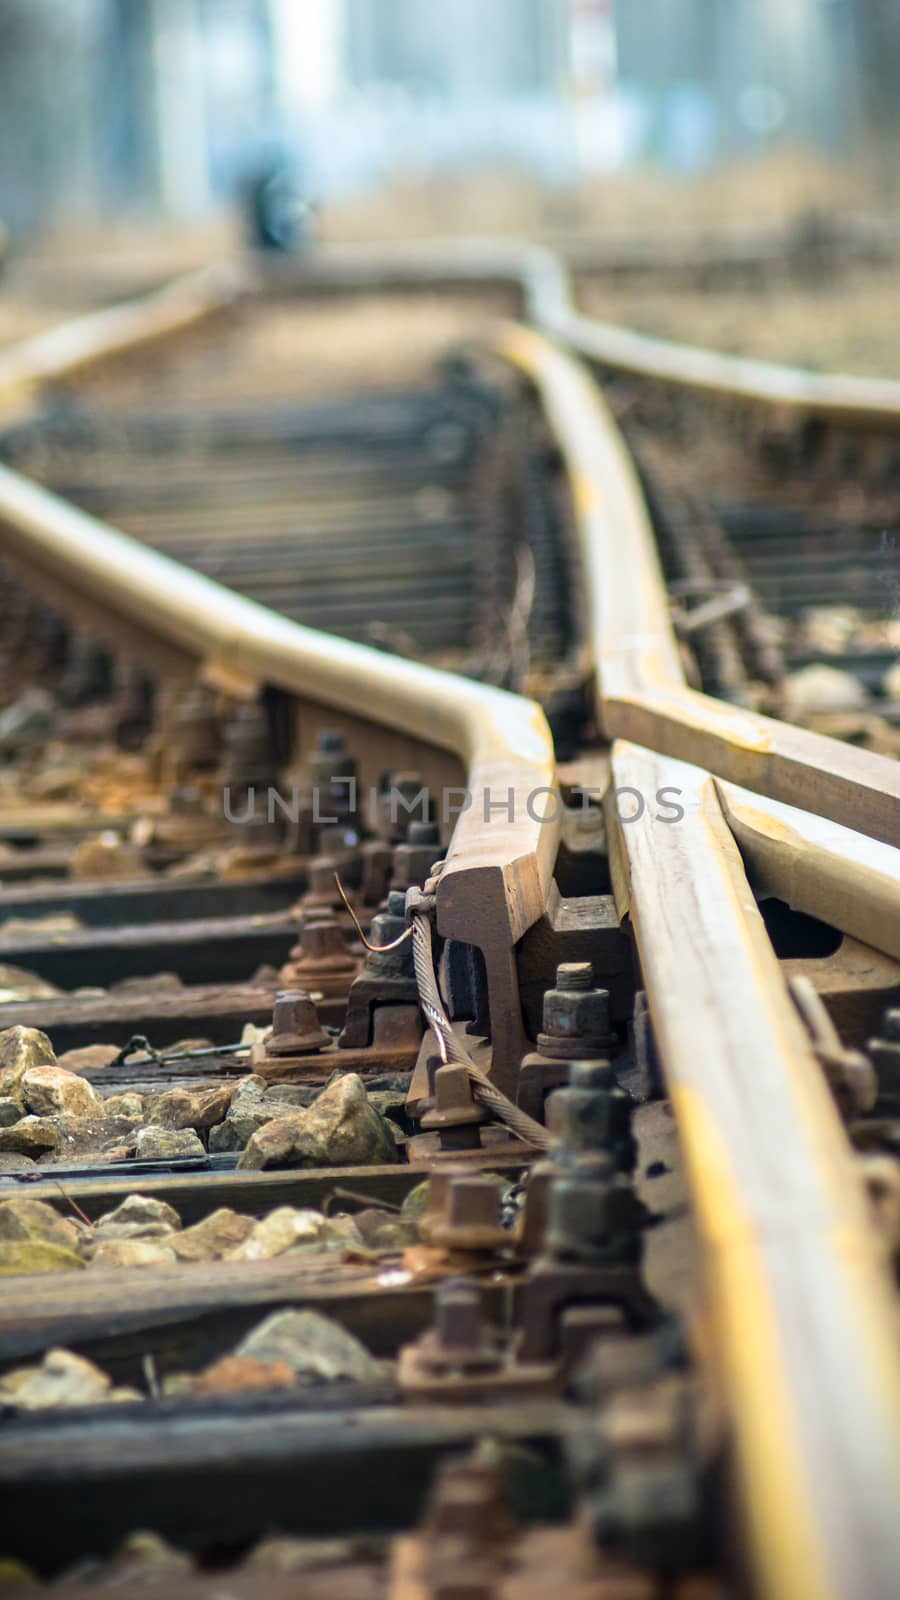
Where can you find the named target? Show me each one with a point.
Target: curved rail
(535, 273)
(63, 351)
(642, 694)
(500, 860)
(829, 872)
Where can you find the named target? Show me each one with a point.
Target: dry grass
(647, 200)
(848, 326)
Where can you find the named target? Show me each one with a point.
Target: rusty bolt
(576, 1015)
(187, 802)
(474, 1202)
(386, 927)
(593, 1114)
(321, 960)
(454, 1116)
(464, 1213)
(458, 1342)
(881, 1174)
(593, 1214)
(458, 1314)
(321, 887)
(401, 795)
(591, 1075)
(296, 1029)
(413, 859)
(470, 1501)
(330, 759)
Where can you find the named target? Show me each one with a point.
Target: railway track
(639, 1032)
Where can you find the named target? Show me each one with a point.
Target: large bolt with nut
(593, 1114)
(594, 1214)
(576, 1015)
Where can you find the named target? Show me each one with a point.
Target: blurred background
(399, 117)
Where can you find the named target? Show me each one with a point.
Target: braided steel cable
(484, 1093)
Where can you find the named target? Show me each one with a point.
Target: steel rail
(501, 856)
(642, 693)
(801, 1305)
(802, 1312)
(74, 346)
(815, 866)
